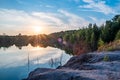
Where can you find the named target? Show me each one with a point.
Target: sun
(37, 29)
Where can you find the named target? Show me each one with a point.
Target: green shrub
(106, 58)
(118, 35)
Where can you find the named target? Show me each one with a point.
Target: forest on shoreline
(74, 42)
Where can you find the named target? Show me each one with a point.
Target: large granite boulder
(91, 66)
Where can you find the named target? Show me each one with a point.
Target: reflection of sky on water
(15, 61)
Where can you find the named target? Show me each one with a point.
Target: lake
(16, 63)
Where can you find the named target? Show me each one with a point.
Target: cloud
(49, 6)
(74, 20)
(48, 18)
(19, 21)
(88, 1)
(98, 6)
(99, 22)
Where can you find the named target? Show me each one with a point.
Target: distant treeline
(73, 41)
(23, 40)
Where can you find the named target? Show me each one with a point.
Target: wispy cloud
(88, 1)
(99, 22)
(49, 6)
(74, 20)
(98, 6)
(21, 21)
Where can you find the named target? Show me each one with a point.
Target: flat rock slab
(91, 66)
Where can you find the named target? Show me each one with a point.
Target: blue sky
(22, 16)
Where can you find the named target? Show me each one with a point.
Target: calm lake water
(15, 63)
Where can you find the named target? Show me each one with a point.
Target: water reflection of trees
(55, 62)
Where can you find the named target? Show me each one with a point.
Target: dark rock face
(58, 74)
(91, 66)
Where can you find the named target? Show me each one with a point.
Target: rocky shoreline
(91, 66)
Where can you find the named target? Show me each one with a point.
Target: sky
(47, 16)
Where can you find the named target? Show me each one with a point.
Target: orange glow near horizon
(37, 29)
